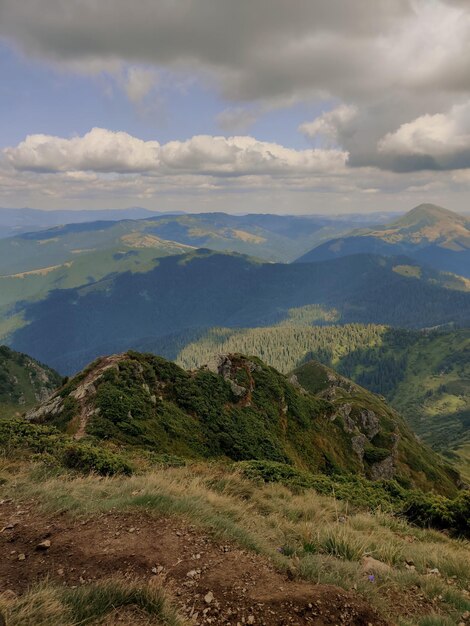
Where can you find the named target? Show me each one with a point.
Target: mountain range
(34, 263)
(428, 234)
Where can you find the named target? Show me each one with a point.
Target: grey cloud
(393, 60)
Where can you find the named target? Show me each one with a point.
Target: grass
(50, 605)
(312, 536)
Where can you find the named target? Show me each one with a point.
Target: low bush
(87, 458)
(422, 509)
(56, 448)
(439, 512)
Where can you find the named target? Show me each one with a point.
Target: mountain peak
(426, 215)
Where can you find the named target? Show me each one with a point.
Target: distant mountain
(201, 289)
(270, 237)
(239, 408)
(429, 234)
(23, 382)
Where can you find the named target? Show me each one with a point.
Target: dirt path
(214, 583)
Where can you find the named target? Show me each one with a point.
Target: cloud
(332, 125)
(99, 150)
(439, 141)
(104, 151)
(387, 61)
(268, 49)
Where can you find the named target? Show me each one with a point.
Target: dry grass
(50, 605)
(313, 536)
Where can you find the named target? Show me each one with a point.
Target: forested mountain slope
(204, 289)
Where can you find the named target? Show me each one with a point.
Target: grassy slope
(313, 537)
(87, 266)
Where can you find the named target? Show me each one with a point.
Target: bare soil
(213, 583)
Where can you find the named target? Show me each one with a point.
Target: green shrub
(426, 510)
(375, 455)
(440, 512)
(87, 458)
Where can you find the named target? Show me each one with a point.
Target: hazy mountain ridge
(17, 221)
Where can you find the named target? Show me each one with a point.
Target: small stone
(44, 545)
(434, 571)
(208, 597)
(192, 573)
(132, 530)
(21, 557)
(369, 564)
(251, 619)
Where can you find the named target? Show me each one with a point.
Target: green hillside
(23, 382)
(307, 490)
(202, 289)
(239, 408)
(75, 266)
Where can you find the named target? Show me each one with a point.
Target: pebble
(208, 597)
(44, 545)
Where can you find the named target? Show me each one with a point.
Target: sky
(282, 106)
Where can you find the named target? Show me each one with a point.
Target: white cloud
(99, 150)
(103, 151)
(441, 141)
